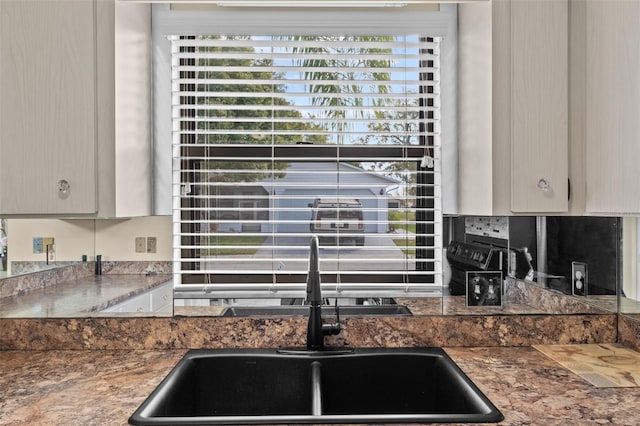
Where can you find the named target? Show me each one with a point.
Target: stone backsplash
(569, 323)
(550, 301)
(22, 284)
(218, 332)
(629, 331)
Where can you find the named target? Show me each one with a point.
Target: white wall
(114, 239)
(73, 238)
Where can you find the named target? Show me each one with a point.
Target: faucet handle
(335, 328)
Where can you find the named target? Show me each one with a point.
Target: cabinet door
(47, 107)
(613, 107)
(539, 105)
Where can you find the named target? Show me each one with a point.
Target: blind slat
(327, 42)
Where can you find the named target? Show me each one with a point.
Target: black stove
(467, 257)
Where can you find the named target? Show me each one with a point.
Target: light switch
(141, 244)
(151, 244)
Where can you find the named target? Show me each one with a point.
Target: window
(239, 199)
(278, 138)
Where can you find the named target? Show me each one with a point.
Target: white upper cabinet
(612, 107)
(539, 106)
(47, 107)
(514, 154)
(565, 99)
(64, 150)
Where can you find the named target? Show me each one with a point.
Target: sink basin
(301, 310)
(267, 386)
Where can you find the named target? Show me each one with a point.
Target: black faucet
(316, 330)
(99, 264)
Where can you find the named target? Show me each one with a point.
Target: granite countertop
(105, 387)
(79, 297)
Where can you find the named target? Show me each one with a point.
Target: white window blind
(277, 138)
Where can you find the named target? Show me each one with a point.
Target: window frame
(198, 23)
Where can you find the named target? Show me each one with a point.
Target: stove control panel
(469, 254)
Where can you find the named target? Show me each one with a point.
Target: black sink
(301, 310)
(381, 385)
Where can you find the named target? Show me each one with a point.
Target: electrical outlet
(151, 244)
(579, 278)
(37, 245)
(141, 244)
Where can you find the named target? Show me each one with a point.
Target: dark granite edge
(216, 332)
(629, 332)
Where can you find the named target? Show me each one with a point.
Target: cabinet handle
(63, 186)
(543, 185)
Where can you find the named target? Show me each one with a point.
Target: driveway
(292, 253)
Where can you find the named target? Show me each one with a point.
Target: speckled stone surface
(62, 273)
(136, 267)
(218, 332)
(79, 297)
(549, 301)
(531, 389)
(27, 267)
(629, 331)
(22, 284)
(456, 305)
(105, 387)
(520, 298)
(78, 387)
